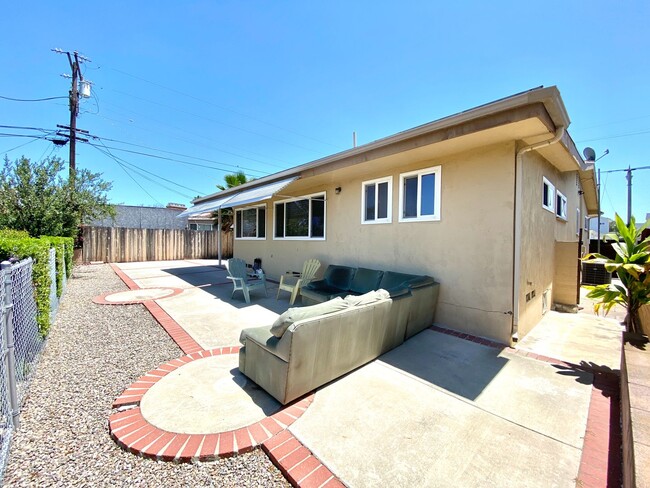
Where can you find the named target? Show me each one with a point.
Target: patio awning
(205, 207)
(245, 197)
(259, 193)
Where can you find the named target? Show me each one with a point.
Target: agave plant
(632, 265)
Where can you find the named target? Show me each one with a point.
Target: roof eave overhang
(549, 97)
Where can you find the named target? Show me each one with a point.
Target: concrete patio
(440, 410)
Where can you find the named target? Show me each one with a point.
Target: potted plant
(632, 265)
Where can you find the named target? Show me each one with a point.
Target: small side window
(560, 206)
(548, 195)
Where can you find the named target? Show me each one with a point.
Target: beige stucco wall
(541, 229)
(469, 251)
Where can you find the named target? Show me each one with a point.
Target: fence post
(10, 358)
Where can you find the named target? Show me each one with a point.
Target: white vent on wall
(545, 299)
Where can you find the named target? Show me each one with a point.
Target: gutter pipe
(516, 272)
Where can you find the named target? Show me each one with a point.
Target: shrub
(14, 234)
(38, 250)
(63, 247)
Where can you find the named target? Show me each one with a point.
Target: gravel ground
(93, 353)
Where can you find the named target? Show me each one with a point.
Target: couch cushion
(370, 297)
(263, 337)
(295, 314)
(365, 280)
(339, 276)
(391, 279)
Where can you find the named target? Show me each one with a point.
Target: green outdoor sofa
(310, 346)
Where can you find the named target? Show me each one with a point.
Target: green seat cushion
(339, 277)
(366, 280)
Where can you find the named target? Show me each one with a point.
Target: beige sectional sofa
(310, 346)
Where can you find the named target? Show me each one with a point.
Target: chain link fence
(6, 421)
(21, 347)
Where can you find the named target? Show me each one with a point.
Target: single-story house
(491, 202)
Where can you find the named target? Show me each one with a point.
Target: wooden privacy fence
(123, 245)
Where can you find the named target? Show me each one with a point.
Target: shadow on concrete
(212, 280)
(267, 404)
(456, 365)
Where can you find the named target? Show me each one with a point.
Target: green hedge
(14, 234)
(38, 250)
(63, 247)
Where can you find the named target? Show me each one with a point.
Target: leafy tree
(36, 199)
(632, 265)
(227, 215)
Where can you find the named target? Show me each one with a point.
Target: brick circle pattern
(133, 433)
(105, 298)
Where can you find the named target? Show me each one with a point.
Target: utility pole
(629, 194)
(74, 110)
(74, 59)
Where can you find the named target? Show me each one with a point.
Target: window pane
(297, 218)
(318, 217)
(428, 194)
(261, 222)
(547, 200)
(279, 220)
(249, 224)
(370, 202)
(239, 224)
(382, 200)
(411, 197)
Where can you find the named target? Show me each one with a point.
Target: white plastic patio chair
(308, 274)
(237, 272)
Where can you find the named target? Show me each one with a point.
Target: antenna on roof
(590, 154)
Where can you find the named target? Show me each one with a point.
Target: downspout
(516, 269)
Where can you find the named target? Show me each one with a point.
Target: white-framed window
(578, 221)
(419, 195)
(376, 201)
(250, 222)
(548, 195)
(560, 205)
(201, 226)
(300, 218)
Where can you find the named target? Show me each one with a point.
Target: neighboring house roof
(530, 116)
(140, 217)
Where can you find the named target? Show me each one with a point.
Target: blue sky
(264, 86)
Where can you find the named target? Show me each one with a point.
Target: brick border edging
(124, 277)
(185, 341)
(133, 433)
(600, 461)
(297, 463)
(101, 299)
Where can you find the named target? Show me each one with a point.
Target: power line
(134, 180)
(116, 158)
(168, 159)
(30, 99)
(24, 128)
(157, 132)
(155, 175)
(217, 122)
(179, 154)
(225, 108)
(625, 134)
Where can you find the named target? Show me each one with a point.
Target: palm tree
(231, 180)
